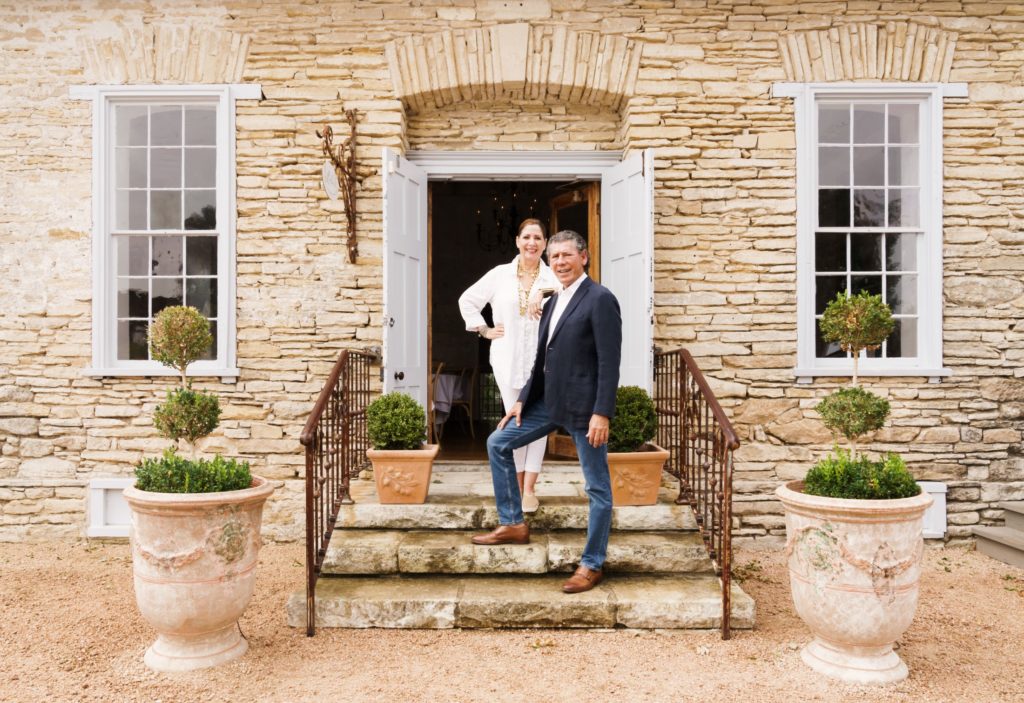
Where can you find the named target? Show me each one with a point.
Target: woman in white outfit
(509, 289)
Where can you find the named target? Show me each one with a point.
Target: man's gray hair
(567, 235)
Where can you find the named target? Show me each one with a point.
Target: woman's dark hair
(532, 221)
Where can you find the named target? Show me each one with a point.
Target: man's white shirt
(562, 302)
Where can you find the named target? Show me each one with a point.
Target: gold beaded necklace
(524, 294)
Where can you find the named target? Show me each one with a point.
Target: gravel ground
(70, 631)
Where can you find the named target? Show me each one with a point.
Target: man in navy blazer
(573, 383)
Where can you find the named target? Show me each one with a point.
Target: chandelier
(498, 231)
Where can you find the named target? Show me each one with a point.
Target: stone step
(550, 468)
(473, 510)
(354, 552)
(1002, 543)
(1014, 514)
(443, 602)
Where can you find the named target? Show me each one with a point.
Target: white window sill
(226, 374)
(805, 375)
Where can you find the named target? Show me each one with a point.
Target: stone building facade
(697, 81)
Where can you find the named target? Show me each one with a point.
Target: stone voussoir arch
(513, 61)
(155, 53)
(886, 51)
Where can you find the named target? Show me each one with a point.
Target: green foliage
(178, 336)
(853, 412)
(859, 322)
(187, 414)
(396, 421)
(175, 474)
(846, 476)
(635, 421)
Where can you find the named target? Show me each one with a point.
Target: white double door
(627, 248)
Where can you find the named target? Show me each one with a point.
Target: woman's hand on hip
(495, 332)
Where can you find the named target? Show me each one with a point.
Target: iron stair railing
(336, 442)
(701, 442)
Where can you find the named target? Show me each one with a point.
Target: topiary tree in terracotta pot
(402, 463)
(854, 524)
(195, 528)
(634, 463)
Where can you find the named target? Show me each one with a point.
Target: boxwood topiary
(857, 323)
(853, 412)
(187, 414)
(635, 422)
(844, 475)
(178, 336)
(396, 421)
(172, 473)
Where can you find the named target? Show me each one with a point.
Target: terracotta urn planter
(636, 476)
(194, 557)
(854, 567)
(403, 475)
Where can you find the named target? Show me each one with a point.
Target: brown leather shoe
(583, 580)
(506, 534)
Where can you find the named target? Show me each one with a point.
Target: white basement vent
(109, 515)
(935, 516)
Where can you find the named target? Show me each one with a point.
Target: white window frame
(929, 359)
(104, 326)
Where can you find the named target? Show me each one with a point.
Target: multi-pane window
(868, 230)
(869, 217)
(164, 224)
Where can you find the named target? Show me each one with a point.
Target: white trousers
(530, 457)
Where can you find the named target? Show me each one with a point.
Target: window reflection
(868, 208)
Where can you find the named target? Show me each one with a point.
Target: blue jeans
(535, 424)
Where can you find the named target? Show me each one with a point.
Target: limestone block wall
(517, 125)
(724, 219)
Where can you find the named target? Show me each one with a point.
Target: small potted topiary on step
(854, 524)
(635, 464)
(195, 524)
(402, 461)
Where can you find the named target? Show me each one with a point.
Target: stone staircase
(1005, 543)
(413, 566)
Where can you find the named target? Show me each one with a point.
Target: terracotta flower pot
(194, 557)
(403, 475)
(636, 476)
(854, 567)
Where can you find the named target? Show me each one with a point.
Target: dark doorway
(473, 225)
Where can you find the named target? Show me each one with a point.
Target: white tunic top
(512, 355)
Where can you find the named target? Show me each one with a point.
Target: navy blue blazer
(576, 374)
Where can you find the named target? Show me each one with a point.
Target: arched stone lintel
(165, 54)
(513, 61)
(893, 51)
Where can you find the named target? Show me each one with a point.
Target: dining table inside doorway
(448, 388)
